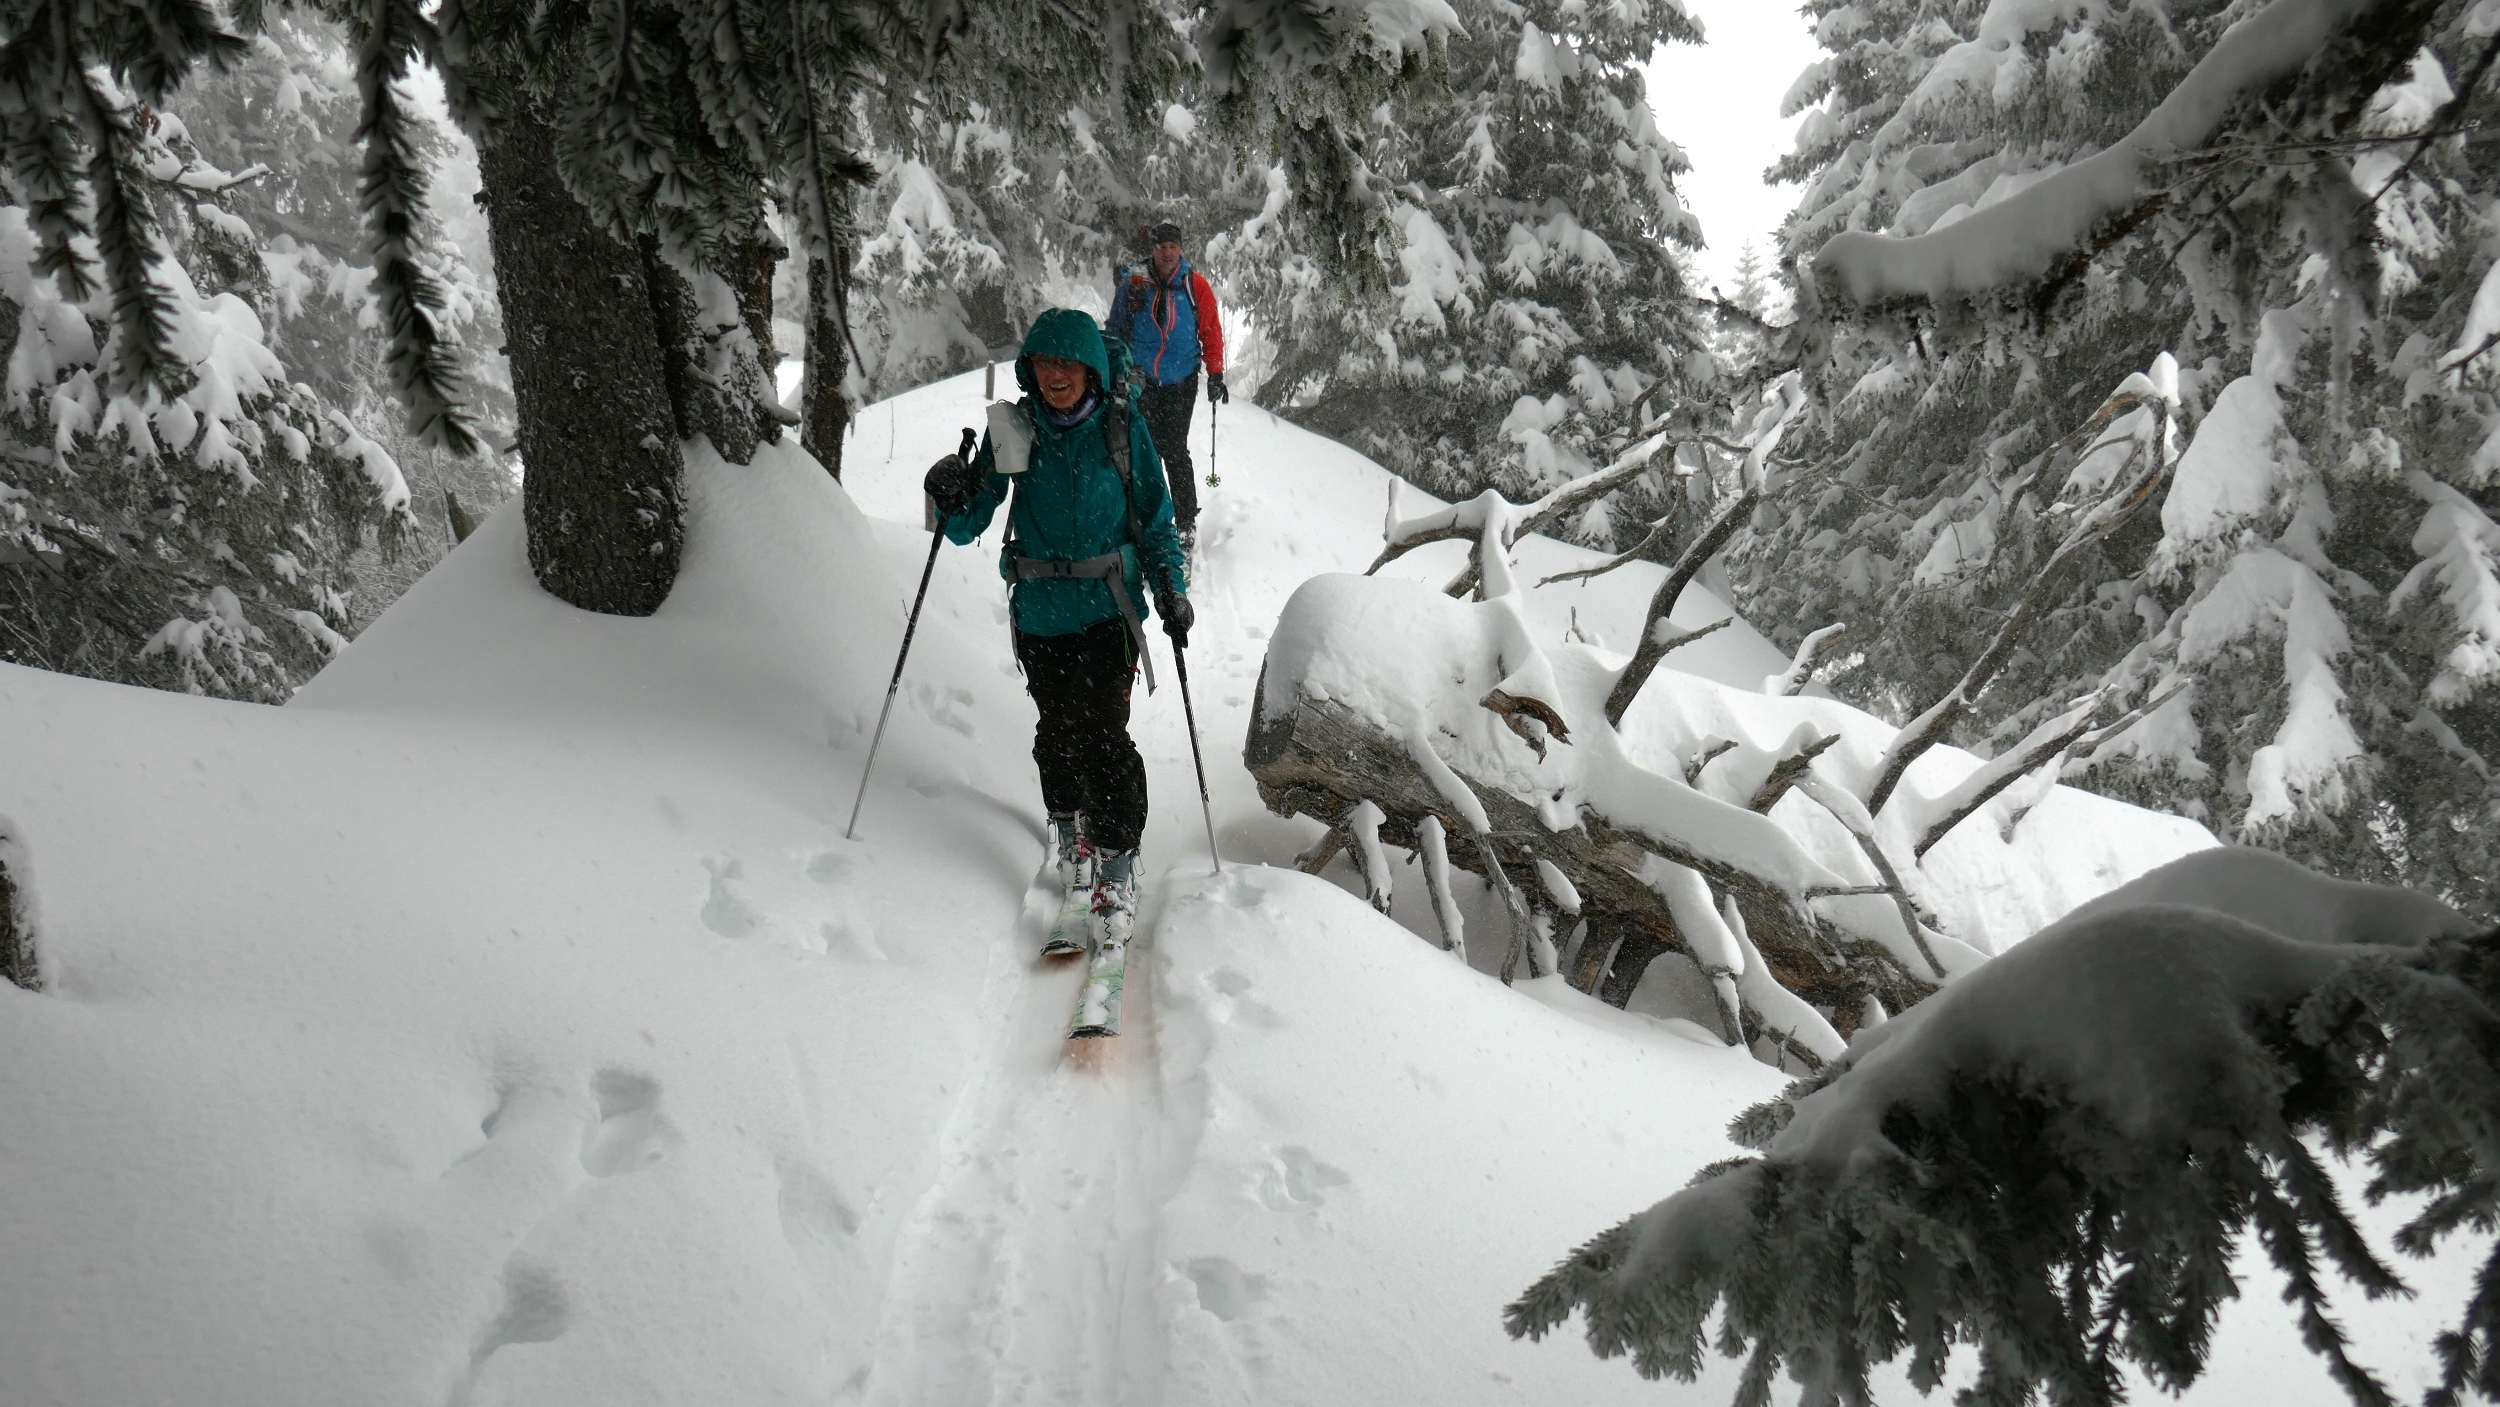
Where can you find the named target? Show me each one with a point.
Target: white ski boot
(1115, 920)
(1076, 876)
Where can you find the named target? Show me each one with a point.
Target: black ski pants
(1080, 683)
(1168, 410)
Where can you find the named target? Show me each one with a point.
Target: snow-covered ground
(507, 1021)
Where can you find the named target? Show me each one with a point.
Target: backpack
(1124, 377)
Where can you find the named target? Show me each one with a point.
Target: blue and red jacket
(1171, 327)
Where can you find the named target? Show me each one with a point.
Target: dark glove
(1178, 615)
(1215, 388)
(951, 484)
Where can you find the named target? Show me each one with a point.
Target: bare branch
(2051, 742)
(1810, 652)
(1930, 727)
(1689, 636)
(1692, 769)
(1315, 859)
(1399, 547)
(1843, 808)
(1786, 771)
(1651, 649)
(200, 181)
(2080, 743)
(1657, 530)
(1549, 512)
(1363, 825)
(1756, 476)
(2091, 742)
(1533, 719)
(1436, 853)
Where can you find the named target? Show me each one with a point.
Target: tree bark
(715, 383)
(17, 926)
(825, 409)
(602, 486)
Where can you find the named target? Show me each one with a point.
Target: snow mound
(507, 1020)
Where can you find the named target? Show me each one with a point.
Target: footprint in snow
(1238, 891)
(816, 1220)
(1228, 1000)
(536, 1309)
(629, 1131)
(827, 867)
(1225, 1290)
(851, 938)
(726, 911)
(941, 706)
(1293, 1180)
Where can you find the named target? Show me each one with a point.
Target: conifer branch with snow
(2053, 1159)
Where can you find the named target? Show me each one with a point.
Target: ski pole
(911, 625)
(1180, 662)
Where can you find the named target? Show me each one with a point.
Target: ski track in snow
(1026, 1272)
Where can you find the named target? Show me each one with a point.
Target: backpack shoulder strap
(1115, 437)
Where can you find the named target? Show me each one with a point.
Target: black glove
(1178, 615)
(1215, 388)
(951, 484)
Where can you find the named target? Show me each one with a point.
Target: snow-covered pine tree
(1004, 182)
(663, 129)
(1019, 175)
(196, 535)
(2012, 206)
(288, 110)
(1753, 288)
(1535, 299)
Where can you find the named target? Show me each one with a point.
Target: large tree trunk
(601, 491)
(717, 383)
(1322, 759)
(824, 408)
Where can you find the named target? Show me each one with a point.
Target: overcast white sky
(1721, 102)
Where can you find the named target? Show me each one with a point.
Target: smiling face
(1062, 382)
(1167, 258)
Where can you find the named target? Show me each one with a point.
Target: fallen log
(1322, 760)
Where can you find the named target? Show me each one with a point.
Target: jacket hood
(1067, 333)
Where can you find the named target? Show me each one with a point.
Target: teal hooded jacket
(1067, 504)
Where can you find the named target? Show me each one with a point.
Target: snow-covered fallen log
(1385, 692)
(2053, 1158)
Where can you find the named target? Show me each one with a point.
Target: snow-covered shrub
(2011, 206)
(2051, 1160)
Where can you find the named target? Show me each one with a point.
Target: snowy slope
(1295, 505)
(507, 1021)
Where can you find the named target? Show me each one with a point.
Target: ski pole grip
(971, 442)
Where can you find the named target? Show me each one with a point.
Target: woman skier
(1090, 525)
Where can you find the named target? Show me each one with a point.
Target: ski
(1098, 1009)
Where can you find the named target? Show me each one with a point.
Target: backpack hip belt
(1110, 570)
